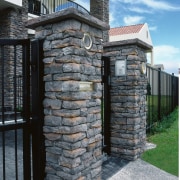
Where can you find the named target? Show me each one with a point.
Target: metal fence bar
(15, 114)
(11, 54)
(2, 111)
(162, 95)
(106, 104)
(43, 7)
(38, 147)
(159, 94)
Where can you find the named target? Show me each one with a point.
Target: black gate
(106, 104)
(21, 114)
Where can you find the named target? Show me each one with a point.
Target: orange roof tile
(125, 30)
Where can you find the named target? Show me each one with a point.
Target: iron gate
(21, 114)
(106, 104)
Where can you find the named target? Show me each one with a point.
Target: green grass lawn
(165, 155)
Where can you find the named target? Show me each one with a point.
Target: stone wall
(100, 10)
(128, 99)
(72, 124)
(12, 23)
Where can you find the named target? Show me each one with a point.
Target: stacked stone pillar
(72, 104)
(12, 26)
(100, 10)
(128, 98)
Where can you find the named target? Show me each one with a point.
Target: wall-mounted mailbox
(120, 68)
(85, 86)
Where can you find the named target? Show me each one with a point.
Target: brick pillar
(72, 104)
(100, 10)
(128, 98)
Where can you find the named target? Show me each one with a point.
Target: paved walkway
(10, 155)
(117, 169)
(113, 169)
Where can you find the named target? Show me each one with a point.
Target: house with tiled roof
(139, 31)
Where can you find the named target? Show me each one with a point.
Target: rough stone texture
(12, 25)
(100, 10)
(72, 126)
(128, 99)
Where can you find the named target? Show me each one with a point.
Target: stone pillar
(12, 25)
(128, 98)
(72, 104)
(12, 22)
(100, 10)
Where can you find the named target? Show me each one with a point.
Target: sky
(163, 19)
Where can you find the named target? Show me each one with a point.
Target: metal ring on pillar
(87, 41)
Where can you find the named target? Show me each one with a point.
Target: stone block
(74, 137)
(68, 145)
(66, 113)
(94, 110)
(53, 136)
(73, 104)
(74, 153)
(54, 150)
(53, 53)
(66, 77)
(92, 145)
(52, 121)
(66, 25)
(96, 124)
(72, 33)
(90, 133)
(47, 45)
(91, 117)
(52, 158)
(84, 112)
(74, 121)
(71, 67)
(56, 36)
(73, 96)
(52, 103)
(48, 60)
(84, 142)
(69, 162)
(61, 58)
(53, 68)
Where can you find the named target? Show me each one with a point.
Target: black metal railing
(14, 130)
(43, 7)
(22, 152)
(162, 95)
(105, 106)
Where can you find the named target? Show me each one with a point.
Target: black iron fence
(41, 7)
(21, 113)
(162, 95)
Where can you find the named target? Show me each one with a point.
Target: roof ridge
(131, 29)
(128, 25)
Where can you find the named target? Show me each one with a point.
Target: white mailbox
(120, 68)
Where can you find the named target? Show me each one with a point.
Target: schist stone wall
(72, 104)
(12, 22)
(128, 98)
(100, 10)
(12, 25)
